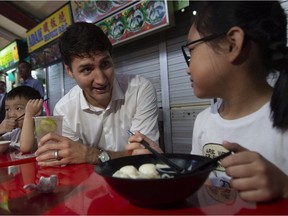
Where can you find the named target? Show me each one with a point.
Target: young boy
(21, 104)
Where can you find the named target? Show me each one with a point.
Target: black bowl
(155, 192)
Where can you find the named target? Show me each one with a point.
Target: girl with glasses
(232, 48)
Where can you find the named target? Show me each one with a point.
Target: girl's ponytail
(279, 101)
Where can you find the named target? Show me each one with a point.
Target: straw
(46, 108)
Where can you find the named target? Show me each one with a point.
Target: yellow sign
(50, 29)
(9, 56)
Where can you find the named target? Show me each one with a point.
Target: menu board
(136, 20)
(94, 10)
(46, 55)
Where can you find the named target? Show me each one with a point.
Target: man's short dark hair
(26, 92)
(25, 62)
(83, 39)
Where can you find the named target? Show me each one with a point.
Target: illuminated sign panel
(9, 56)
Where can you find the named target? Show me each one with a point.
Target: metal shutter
(55, 83)
(145, 57)
(184, 105)
(68, 82)
(141, 58)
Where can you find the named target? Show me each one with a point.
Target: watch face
(103, 156)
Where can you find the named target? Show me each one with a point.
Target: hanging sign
(50, 29)
(94, 10)
(9, 56)
(139, 19)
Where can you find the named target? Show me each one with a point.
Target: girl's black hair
(83, 39)
(265, 23)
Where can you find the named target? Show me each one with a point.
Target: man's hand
(134, 147)
(68, 151)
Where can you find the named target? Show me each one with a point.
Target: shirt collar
(27, 80)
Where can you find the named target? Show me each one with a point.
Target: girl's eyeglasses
(185, 48)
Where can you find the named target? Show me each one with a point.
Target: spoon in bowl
(209, 162)
(192, 169)
(175, 167)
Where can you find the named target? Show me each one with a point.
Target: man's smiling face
(95, 75)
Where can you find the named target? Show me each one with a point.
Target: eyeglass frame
(202, 40)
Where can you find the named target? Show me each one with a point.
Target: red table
(81, 191)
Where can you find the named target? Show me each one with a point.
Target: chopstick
(19, 117)
(159, 155)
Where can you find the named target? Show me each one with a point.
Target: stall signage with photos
(136, 20)
(46, 55)
(9, 56)
(50, 29)
(180, 4)
(94, 10)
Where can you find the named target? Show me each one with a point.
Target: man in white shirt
(101, 108)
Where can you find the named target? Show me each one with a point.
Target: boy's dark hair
(25, 62)
(26, 92)
(83, 39)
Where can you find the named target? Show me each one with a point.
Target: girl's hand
(255, 178)
(134, 146)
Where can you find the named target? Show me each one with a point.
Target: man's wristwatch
(103, 156)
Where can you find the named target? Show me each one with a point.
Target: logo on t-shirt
(213, 150)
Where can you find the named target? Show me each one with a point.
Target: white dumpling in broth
(130, 170)
(120, 174)
(148, 170)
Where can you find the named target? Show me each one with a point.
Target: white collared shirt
(133, 107)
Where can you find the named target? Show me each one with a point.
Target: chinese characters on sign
(50, 29)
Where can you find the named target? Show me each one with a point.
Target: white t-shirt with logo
(254, 132)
